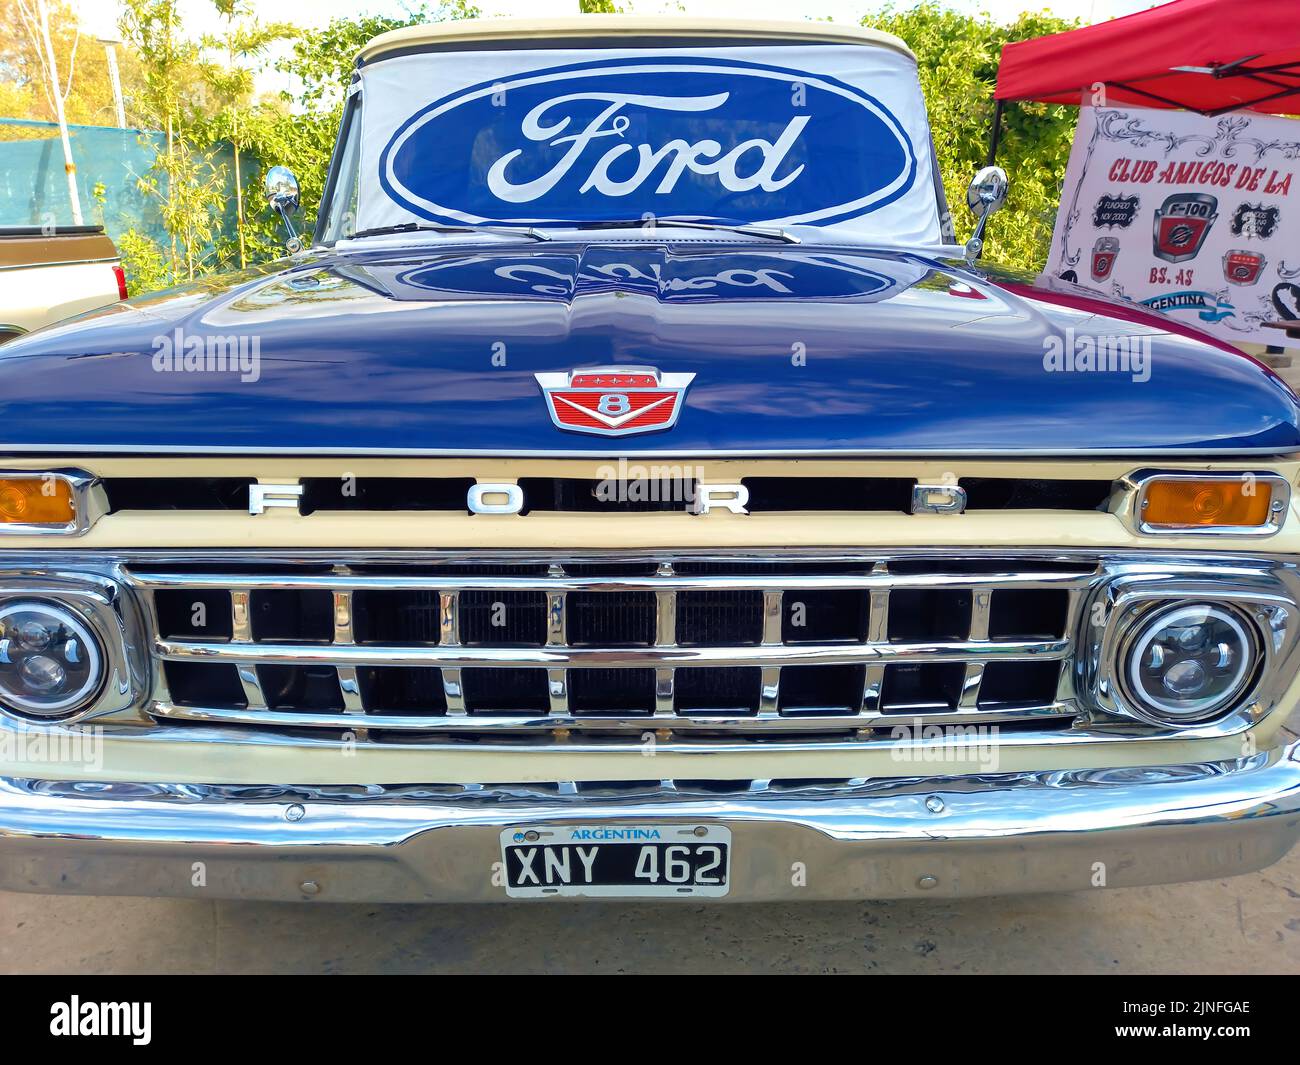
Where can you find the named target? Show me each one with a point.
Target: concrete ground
(1248, 924)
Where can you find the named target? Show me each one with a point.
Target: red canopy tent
(1211, 56)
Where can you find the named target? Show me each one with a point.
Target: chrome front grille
(686, 644)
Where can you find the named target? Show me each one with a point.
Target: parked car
(633, 488)
(50, 274)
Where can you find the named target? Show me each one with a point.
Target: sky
(99, 16)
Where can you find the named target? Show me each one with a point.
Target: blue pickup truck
(633, 488)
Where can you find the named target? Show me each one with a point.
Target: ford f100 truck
(633, 489)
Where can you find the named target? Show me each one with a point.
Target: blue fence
(34, 188)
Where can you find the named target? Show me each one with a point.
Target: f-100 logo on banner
(708, 138)
(1182, 225)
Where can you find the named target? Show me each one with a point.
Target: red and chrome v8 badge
(614, 400)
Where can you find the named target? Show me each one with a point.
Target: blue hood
(794, 348)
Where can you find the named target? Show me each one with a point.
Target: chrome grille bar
(459, 657)
(674, 581)
(770, 693)
(877, 633)
(498, 723)
(449, 636)
(241, 628)
(981, 601)
(665, 636)
(349, 683)
(557, 679)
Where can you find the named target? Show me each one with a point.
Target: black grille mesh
(709, 617)
(599, 619)
(503, 618)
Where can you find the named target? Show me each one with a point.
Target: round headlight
(1189, 663)
(50, 662)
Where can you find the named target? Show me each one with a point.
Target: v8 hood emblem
(614, 400)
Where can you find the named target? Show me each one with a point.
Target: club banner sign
(1197, 218)
(824, 135)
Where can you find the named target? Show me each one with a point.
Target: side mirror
(281, 187)
(987, 193)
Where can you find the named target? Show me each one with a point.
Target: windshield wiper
(749, 229)
(424, 227)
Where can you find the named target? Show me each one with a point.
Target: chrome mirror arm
(282, 195)
(986, 194)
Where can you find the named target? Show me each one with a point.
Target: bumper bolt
(927, 882)
(934, 804)
(309, 887)
(295, 813)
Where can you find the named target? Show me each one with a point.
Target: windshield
(833, 136)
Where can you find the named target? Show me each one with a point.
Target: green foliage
(145, 263)
(301, 136)
(239, 52)
(184, 180)
(958, 56)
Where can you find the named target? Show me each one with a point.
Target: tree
(88, 99)
(958, 58)
(302, 138)
(187, 183)
(241, 45)
(35, 16)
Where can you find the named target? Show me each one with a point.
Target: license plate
(617, 861)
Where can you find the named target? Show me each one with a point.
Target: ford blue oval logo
(617, 139)
(788, 275)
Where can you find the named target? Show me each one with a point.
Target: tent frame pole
(1233, 70)
(995, 136)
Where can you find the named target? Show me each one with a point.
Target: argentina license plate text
(616, 861)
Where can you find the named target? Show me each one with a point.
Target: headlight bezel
(1141, 634)
(1262, 598)
(80, 627)
(99, 602)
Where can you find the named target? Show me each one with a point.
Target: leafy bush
(958, 57)
(145, 263)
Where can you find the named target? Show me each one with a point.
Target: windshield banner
(824, 135)
(1197, 218)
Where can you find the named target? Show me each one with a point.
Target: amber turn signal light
(1237, 503)
(36, 501)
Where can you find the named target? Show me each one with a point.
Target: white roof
(470, 31)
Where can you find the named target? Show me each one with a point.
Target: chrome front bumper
(978, 835)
